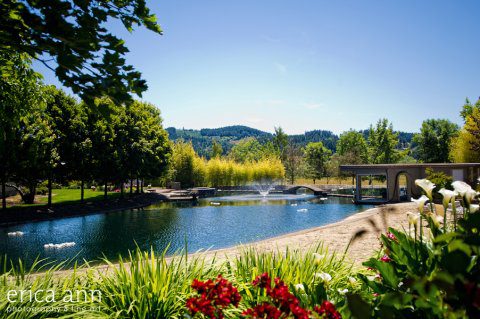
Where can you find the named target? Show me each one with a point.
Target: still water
(210, 223)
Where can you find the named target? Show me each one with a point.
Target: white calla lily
(426, 185)
(470, 195)
(421, 202)
(319, 258)
(461, 187)
(447, 196)
(474, 208)
(413, 218)
(342, 291)
(325, 277)
(300, 287)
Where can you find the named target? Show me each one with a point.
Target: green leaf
(358, 307)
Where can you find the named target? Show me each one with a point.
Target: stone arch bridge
(293, 189)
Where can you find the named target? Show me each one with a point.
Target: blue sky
(307, 65)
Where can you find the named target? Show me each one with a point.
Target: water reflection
(237, 219)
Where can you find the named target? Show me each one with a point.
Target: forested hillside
(202, 140)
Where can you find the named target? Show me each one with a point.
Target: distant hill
(202, 140)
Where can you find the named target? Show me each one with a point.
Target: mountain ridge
(227, 136)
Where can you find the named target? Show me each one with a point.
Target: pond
(211, 223)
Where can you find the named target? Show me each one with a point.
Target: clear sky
(307, 65)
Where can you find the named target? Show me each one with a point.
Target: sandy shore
(336, 236)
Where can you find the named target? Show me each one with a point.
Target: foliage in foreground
(434, 276)
(149, 286)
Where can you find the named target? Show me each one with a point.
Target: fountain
(264, 187)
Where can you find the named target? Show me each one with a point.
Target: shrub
(434, 276)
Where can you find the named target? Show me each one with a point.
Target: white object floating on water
(215, 203)
(59, 246)
(323, 198)
(295, 204)
(302, 210)
(15, 233)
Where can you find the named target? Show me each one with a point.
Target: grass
(66, 196)
(146, 285)
(71, 196)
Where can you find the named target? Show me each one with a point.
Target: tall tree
(247, 150)
(434, 140)
(67, 124)
(280, 141)
(466, 146)
(352, 147)
(37, 151)
(103, 118)
(217, 149)
(183, 163)
(293, 162)
(316, 158)
(19, 93)
(382, 142)
(72, 34)
(468, 107)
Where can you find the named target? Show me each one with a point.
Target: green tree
(105, 162)
(332, 167)
(157, 150)
(316, 158)
(183, 157)
(352, 147)
(434, 140)
(280, 142)
(19, 93)
(468, 108)
(72, 34)
(382, 143)
(66, 123)
(293, 163)
(247, 150)
(217, 149)
(466, 146)
(37, 151)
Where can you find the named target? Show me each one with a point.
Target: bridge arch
(293, 189)
(403, 187)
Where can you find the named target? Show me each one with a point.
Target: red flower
(264, 310)
(263, 281)
(214, 297)
(327, 310)
(386, 259)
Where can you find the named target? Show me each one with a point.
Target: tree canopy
(382, 142)
(352, 147)
(466, 146)
(316, 158)
(434, 140)
(70, 38)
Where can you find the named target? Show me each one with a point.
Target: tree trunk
(138, 186)
(131, 186)
(49, 185)
(29, 198)
(105, 195)
(314, 181)
(4, 195)
(82, 191)
(141, 186)
(121, 190)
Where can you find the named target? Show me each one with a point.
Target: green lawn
(73, 195)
